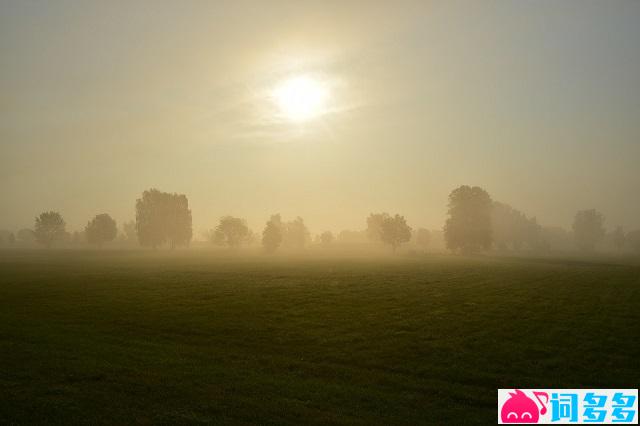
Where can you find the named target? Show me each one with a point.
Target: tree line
(474, 223)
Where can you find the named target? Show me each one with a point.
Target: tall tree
(101, 229)
(163, 218)
(394, 231)
(231, 231)
(588, 229)
(272, 234)
(49, 228)
(468, 227)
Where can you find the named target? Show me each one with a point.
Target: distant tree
(11, 239)
(394, 231)
(231, 231)
(49, 227)
(468, 227)
(374, 226)
(511, 229)
(26, 235)
(326, 238)
(163, 218)
(150, 218)
(179, 222)
(618, 237)
(588, 229)
(422, 238)
(272, 234)
(508, 226)
(633, 240)
(296, 235)
(101, 229)
(129, 231)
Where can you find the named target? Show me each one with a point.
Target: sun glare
(300, 98)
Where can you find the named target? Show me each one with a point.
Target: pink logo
(519, 408)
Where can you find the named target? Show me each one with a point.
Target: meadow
(121, 337)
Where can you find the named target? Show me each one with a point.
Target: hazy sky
(536, 101)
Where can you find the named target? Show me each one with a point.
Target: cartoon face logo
(519, 408)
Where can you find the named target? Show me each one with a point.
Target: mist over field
(280, 212)
(534, 102)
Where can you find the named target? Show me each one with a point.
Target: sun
(300, 98)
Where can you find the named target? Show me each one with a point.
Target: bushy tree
(49, 228)
(394, 231)
(326, 238)
(468, 227)
(296, 235)
(508, 226)
(231, 231)
(588, 229)
(511, 229)
(150, 218)
(272, 234)
(161, 218)
(422, 238)
(101, 229)
(618, 237)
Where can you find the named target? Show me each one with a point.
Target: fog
(536, 103)
(319, 211)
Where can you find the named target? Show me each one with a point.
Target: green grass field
(137, 337)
